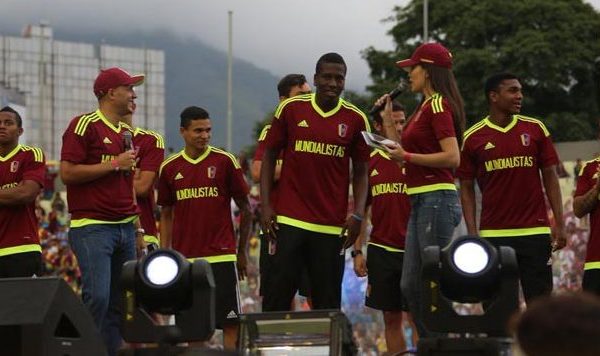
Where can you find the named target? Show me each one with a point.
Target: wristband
(355, 253)
(140, 231)
(406, 157)
(114, 164)
(357, 217)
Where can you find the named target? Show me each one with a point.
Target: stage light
(165, 282)
(317, 332)
(161, 270)
(469, 270)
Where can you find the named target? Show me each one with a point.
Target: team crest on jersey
(14, 166)
(525, 139)
(211, 172)
(342, 130)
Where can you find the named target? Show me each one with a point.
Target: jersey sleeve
(166, 194)
(152, 154)
(441, 119)
(548, 156)
(35, 169)
(237, 182)
(261, 143)
(74, 145)
(468, 167)
(586, 179)
(277, 135)
(360, 150)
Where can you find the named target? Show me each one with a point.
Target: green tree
(552, 45)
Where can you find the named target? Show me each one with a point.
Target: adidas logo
(303, 123)
(107, 140)
(179, 176)
(489, 146)
(232, 315)
(374, 173)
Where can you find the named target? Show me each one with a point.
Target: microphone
(393, 94)
(128, 143)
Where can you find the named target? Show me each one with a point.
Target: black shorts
(266, 262)
(317, 252)
(24, 264)
(227, 306)
(591, 281)
(533, 255)
(383, 279)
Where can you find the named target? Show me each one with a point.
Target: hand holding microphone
(125, 161)
(380, 105)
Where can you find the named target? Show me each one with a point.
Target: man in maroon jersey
(150, 151)
(319, 134)
(389, 212)
(97, 167)
(586, 202)
(289, 86)
(195, 188)
(22, 173)
(506, 152)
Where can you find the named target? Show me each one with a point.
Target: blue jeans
(433, 217)
(101, 250)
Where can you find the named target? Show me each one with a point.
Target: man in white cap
(96, 166)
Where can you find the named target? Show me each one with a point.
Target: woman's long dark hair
(443, 82)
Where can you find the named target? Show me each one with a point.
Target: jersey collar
(197, 160)
(491, 125)
(10, 154)
(331, 112)
(116, 129)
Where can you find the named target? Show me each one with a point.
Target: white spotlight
(161, 270)
(470, 257)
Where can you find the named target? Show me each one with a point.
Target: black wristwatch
(355, 253)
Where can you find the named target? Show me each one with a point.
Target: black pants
(320, 253)
(591, 281)
(533, 253)
(24, 264)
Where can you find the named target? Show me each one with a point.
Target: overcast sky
(281, 36)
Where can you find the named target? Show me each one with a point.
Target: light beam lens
(161, 270)
(471, 258)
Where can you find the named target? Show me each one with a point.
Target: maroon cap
(114, 77)
(432, 53)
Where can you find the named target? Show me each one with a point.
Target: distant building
(56, 80)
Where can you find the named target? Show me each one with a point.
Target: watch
(355, 253)
(140, 231)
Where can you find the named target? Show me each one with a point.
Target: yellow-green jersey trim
(235, 162)
(304, 97)
(151, 239)
(387, 248)
(430, 188)
(436, 103)
(85, 222)
(84, 121)
(168, 160)
(216, 259)
(324, 229)
(263, 133)
(352, 107)
(20, 249)
(196, 160)
(160, 141)
(38, 154)
(313, 102)
(591, 265)
(515, 232)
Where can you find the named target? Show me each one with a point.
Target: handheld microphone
(393, 94)
(128, 144)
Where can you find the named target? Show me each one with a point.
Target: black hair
(396, 106)
(493, 82)
(331, 57)
(442, 81)
(192, 113)
(286, 83)
(18, 117)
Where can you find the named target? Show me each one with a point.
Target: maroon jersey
(317, 146)
(18, 223)
(506, 163)
(200, 192)
(431, 123)
(587, 179)
(390, 205)
(92, 139)
(150, 148)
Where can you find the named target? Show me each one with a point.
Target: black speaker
(43, 316)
